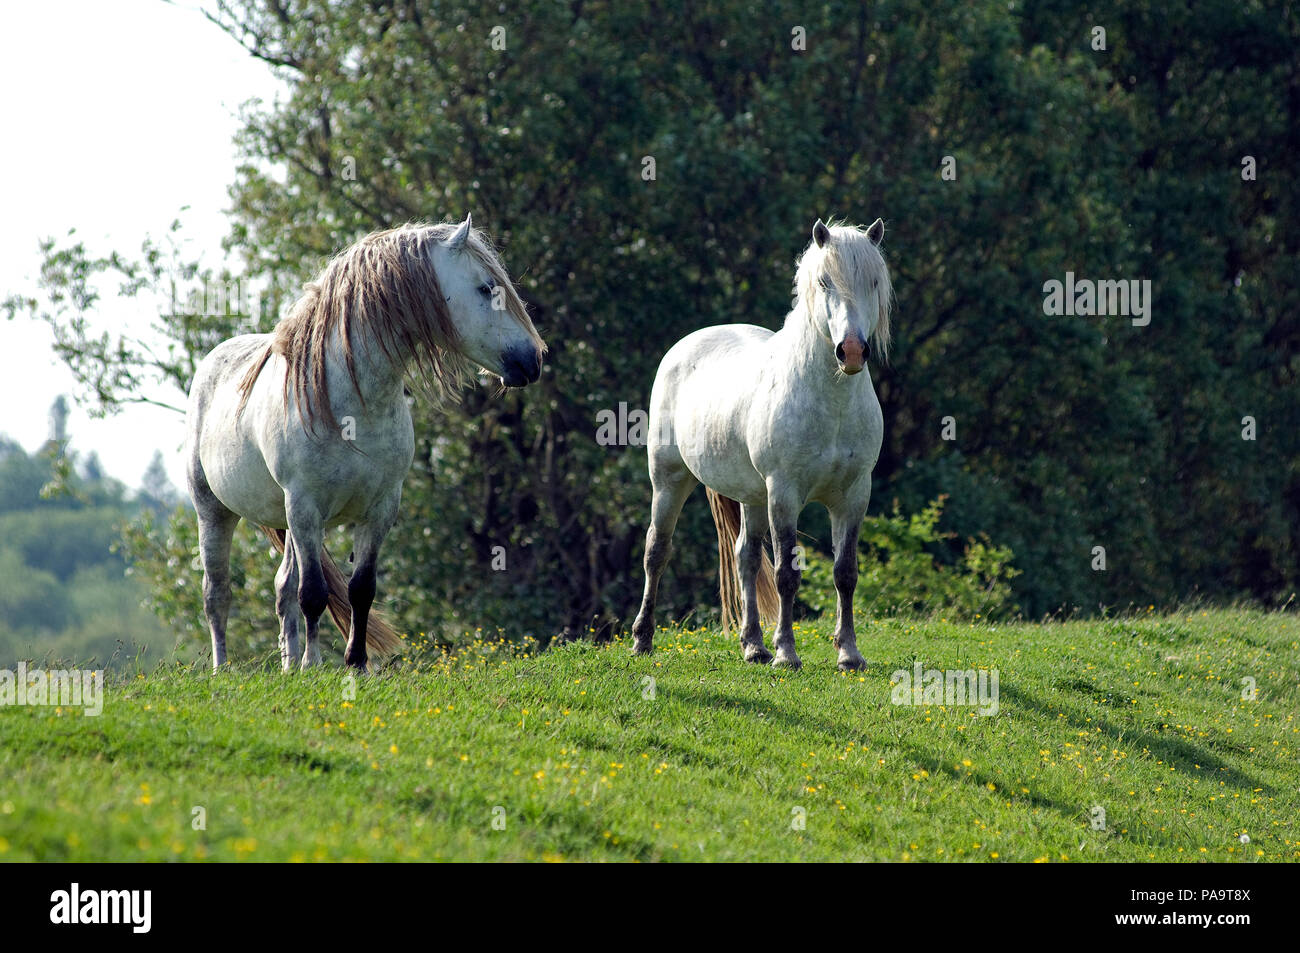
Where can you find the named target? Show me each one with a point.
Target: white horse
(769, 422)
(309, 427)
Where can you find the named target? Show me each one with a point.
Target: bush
(898, 572)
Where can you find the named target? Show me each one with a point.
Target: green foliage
(61, 541)
(900, 572)
(29, 598)
(166, 559)
(64, 591)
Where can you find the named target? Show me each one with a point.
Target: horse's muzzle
(520, 367)
(851, 355)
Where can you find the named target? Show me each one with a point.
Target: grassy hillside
(1142, 718)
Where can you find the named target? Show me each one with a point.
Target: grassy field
(575, 755)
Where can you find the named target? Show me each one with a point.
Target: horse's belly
(712, 446)
(261, 503)
(238, 477)
(706, 404)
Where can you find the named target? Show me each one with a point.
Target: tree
(59, 421)
(642, 189)
(156, 489)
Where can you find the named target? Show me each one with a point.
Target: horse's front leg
(366, 541)
(845, 523)
(286, 605)
(783, 515)
(307, 536)
(749, 561)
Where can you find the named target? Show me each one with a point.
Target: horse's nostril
(522, 366)
(839, 353)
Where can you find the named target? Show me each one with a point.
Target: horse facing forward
(769, 422)
(308, 427)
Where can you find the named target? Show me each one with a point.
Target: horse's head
(491, 320)
(843, 283)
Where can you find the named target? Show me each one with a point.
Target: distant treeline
(64, 591)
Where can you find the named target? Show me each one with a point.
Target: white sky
(115, 115)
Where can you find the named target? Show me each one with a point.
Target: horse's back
(719, 341)
(223, 456)
(704, 354)
(698, 407)
(215, 391)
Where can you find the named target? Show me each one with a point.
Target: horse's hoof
(852, 663)
(787, 660)
(757, 654)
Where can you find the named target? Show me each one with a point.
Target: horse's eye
(485, 290)
(826, 284)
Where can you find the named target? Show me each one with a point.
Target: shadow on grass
(777, 714)
(1172, 750)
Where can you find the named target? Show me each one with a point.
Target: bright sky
(115, 116)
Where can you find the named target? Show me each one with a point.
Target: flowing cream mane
(381, 291)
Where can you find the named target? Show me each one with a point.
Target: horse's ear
(877, 231)
(821, 234)
(459, 237)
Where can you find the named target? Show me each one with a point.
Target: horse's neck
(377, 377)
(810, 357)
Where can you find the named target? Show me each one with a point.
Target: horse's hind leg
(749, 558)
(783, 514)
(216, 530)
(672, 485)
(286, 604)
(845, 522)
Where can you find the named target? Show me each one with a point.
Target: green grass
(1142, 717)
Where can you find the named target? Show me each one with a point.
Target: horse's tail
(381, 637)
(726, 517)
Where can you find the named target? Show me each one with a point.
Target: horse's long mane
(850, 261)
(381, 291)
